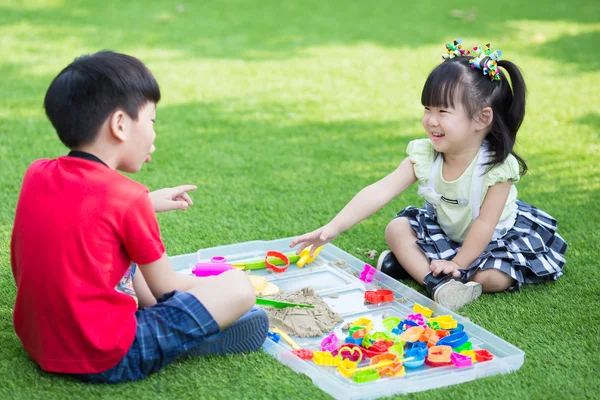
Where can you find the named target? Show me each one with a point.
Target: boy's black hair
(87, 91)
(455, 80)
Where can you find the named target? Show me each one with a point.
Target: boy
(96, 296)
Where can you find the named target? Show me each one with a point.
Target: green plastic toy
(260, 263)
(280, 304)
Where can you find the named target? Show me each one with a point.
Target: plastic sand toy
(280, 304)
(406, 345)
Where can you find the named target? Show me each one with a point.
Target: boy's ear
(118, 125)
(486, 116)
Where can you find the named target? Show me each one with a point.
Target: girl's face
(450, 129)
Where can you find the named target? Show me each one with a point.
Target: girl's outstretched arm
(482, 230)
(365, 203)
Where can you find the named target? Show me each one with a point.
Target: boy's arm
(142, 291)
(161, 278)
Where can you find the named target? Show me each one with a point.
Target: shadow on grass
(261, 178)
(270, 158)
(258, 30)
(565, 186)
(593, 121)
(297, 175)
(572, 49)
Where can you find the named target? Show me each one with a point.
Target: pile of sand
(303, 322)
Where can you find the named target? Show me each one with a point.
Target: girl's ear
(486, 116)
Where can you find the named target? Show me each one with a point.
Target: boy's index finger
(185, 188)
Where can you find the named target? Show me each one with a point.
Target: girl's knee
(493, 280)
(396, 227)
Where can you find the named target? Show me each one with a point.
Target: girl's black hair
(88, 90)
(455, 80)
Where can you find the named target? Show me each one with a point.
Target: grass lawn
(280, 112)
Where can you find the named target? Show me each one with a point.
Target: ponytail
(515, 113)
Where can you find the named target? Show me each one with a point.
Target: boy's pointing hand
(168, 199)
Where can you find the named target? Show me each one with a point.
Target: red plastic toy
(281, 256)
(378, 348)
(304, 354)
(379, 296)
(442, 333)
(483, 355)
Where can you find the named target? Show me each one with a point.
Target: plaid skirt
(531, 252)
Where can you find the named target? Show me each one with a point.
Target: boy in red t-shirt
(96, 295)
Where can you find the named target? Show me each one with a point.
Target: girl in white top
(473, 234)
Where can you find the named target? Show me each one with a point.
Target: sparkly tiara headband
(483, 58)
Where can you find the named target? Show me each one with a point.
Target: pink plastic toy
(216, 266)
(350, 352)
(418, 318)
(329, 343)
(461, 360)
(367, 274)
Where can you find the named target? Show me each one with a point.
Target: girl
(473, 234)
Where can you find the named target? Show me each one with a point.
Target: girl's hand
(168, 199)
(316, 238)
(444, 267)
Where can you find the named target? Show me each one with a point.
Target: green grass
(280, 112)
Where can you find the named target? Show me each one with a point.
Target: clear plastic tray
(327, 280)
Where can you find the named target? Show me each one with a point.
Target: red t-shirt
(78, 226)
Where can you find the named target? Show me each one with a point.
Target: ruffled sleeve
(509, 169)
(421, 153)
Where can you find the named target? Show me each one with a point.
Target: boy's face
(141, 139)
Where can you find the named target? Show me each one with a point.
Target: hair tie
(487, 61)
(454, 50)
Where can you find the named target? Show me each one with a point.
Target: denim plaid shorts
(165, 332)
